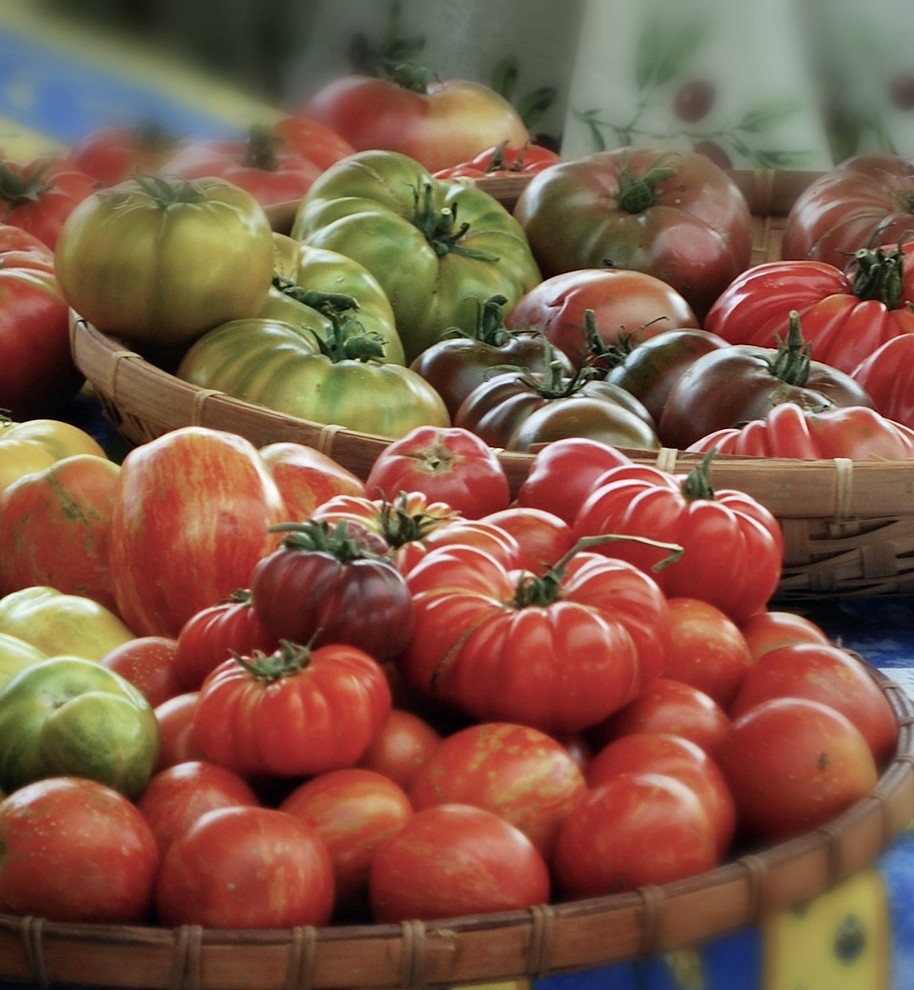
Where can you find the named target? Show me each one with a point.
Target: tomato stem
(345, 541)
(168, 192)
(286, 661)
(879, 275)
(697, 483)
(16, 189)
(440, 226)
(638, 193)
(791, 362)
(260, 150)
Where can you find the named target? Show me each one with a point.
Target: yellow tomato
(15, 655)
(37, 443)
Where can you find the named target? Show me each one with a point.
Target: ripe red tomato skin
(885, 374)
(446, 464)
(633, 830)
(176, 741)
(112, 153)
(148, 663)
(454, 859)
(769, 629)
(543, 537)
(76, 851)
(245, 867)
(401, 747)
(306, 477)
(792, 765)
(501, 161)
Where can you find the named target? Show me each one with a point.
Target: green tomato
(66, 716)
(160, 262)
(282, 367)
(438, 247)
(15, 655)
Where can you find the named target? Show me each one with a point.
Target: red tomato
(635, 829)
(353, 811)
(76, 851)
(563, 473)
(732, 546)
(886, 375)
(245, 866)
(148, 662)
(56, 524)
(39, 194)
(446, 464)
(401, 747)
(37, 373)
(676, 756)
(793, 764)
(524, 775)
(296, 712)
(543, 537)
(113, 153)
(311, 139)
(178, 795)
(622, 302)
(502, 160)
(707, 649)
(767, 630)
(825, 673)
(307, 478)
(438, 124)
(674, 707)
(454, 859)
(164, 514)
(176, 726)
(210, 636)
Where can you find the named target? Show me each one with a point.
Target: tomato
(67, 715)
(114, 152)
(37, 373)
(15, 655)
(825, 673)
(846, 313)
(306, 477)
(211, 635)
(461, 360)
(769, 629)
(862, 202)
(38, 195)
(676, 756)
(54, 524)
(789, 430)
(670, 706)
(885, 375)
(245, 866)
(446, 464)
(317, 142)
(455, 859)
(502, 160)
(76, 851)
(524, 775)
(792, 765)
(563, 473)
(328, 583)
(732, 546)
(295, 712)
(56, 438)
(677, 216)
(633, 830)
(543, 537)
(175, 718)
(438, 247)
(163, 514)
(148, 663)
(353, 811)
(178, 795)
(517, 410)
(401, 747)
(159, 262)
(559, 652)
(437, 123)
(708, 649)
(623, 303)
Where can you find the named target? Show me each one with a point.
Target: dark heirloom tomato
(674, 215)
(863, 202)
(332, 583)
(733, 385)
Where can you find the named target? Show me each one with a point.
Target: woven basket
(485, 948)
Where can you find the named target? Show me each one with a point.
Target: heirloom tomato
(76, 851)
(332, 582)
(437, 123)
(37, 373)
(543, 537)
(675, 215)
(306, 477)
(148, 662)
(191, 518)
(769, 629)
(559, 651)
(295, 712)
(402, 746)
(863, 202)
(455, 859)
(176, 741)
(623, 303)
(38, 195)
(502, 160)
(310, 138)
(732, 385)
(446, 464)
(15, 655)
(846, 313)
(245, 866)
(887, 376)
(436, 246)
(114, 152)
(341, 380)
(160, 261)
(732, 546)
(66, 715)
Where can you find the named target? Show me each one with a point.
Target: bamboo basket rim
(523, 944)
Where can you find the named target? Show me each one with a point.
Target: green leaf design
(505, 76)
(532, 106)
(678, 51)
(768, 116)
(648, 54)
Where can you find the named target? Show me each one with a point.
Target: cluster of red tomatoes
(418, 695)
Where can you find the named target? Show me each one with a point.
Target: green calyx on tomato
(346, 339)
(697, 483)
(260, 150)
(879, 275)
(440, 226)
(610, 355)
(637, 193)
(288, 660)
(18, 188)
(490, 327)
(402, 524)
(791, 361)
(344, 541)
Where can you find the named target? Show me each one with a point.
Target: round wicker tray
(550, 938)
